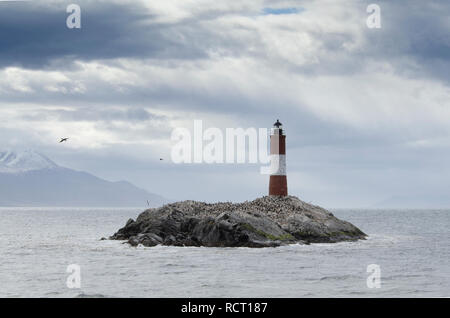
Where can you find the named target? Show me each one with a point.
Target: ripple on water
(413, 260)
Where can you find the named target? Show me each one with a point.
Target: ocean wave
(340, 277)
(83, 295)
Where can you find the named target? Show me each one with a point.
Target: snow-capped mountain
(28, 160)
(29, 178)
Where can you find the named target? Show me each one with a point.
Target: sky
(366, 110)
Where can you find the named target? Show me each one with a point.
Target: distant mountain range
(422, 201)
(29, 178)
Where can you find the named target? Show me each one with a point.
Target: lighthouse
(278, 180)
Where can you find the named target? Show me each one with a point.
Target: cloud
(106, 114)
(327, 37)
(349, 96)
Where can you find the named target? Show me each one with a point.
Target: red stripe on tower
(278, 180)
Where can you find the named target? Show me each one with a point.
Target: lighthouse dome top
(278, 124)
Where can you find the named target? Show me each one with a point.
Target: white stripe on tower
(278, 165)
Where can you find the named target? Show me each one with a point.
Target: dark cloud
(33, 34)
(413, 31)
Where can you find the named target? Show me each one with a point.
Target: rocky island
(269, 221)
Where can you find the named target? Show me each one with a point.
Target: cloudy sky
(366, 111)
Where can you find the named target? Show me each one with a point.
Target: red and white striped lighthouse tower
(278, 180)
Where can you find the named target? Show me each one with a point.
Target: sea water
(37, 245)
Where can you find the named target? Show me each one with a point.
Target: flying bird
(161, 159)
(63, 139)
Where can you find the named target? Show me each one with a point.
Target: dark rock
(265, 222)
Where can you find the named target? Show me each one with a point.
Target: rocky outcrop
(265, 222)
